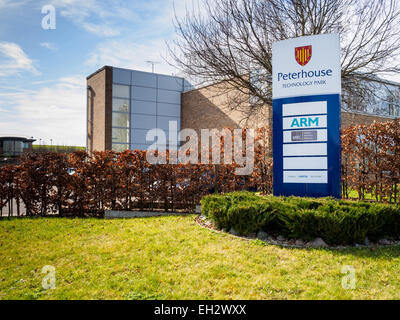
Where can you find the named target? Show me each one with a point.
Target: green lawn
(174, 258)
(46, 147)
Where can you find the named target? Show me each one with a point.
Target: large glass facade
(120, 135)
(143, 101)
(120, 120)
(120, 105)
(120, 147)
(120, 91)
(12, 148)
(8, 148)
(120, 117)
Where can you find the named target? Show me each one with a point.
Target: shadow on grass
(379, 252)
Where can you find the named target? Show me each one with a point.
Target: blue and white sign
(306, 116)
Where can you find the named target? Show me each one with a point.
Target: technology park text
(304, 74)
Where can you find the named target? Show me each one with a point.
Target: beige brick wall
(99, 110)
(211, 107)
(208, 108)
(350, 119)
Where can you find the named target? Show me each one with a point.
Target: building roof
(111, 67)
(15, 138)
(97, 71)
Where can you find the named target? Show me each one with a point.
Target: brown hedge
(371, 160)
(122, 181)
(126, 181)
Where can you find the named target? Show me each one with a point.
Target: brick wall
(209, 107)
(350, 118)
(212, 107)
(99, 110)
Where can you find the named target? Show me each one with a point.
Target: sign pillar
(306, 85)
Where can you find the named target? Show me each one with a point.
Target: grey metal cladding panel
(146, 94)
(163, 122)
(166, 109)
(139, 136)
(187, 86)
(141, 121)
(168, 96)
(121, 76)
(139, 146)
(146, 107)
(144, 79)
(170, 83)
(160, 136)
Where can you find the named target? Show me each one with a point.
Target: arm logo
(303, 54)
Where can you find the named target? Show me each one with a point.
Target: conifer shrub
(335, 221)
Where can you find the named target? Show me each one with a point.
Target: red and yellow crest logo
(303, 55)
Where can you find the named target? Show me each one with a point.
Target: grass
(174, 258)
(45, 147)
(353, 194)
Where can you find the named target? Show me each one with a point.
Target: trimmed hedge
(335, 221)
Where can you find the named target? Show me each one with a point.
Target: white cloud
(101, 29)
(55, 112)
(109, 18)
(100, 18)
(126, 54)
(5, 4)
(146, 40)
(49, 45)
(14, 60)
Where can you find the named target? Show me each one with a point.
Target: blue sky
(43, 72)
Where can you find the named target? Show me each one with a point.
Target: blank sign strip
(305, 163)
(322, 135)
(305, 176)
(304, 122)
(305, 149)
(296, 109)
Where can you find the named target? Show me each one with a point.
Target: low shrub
(335, 221)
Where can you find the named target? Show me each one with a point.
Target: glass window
(120, 119)
(121, 105)
(120, 91)
(119, 147)
(120, 135)
(8, 148)
(18, 147)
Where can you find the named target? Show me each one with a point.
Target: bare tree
(232, 42)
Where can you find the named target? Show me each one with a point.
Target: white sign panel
(306, 66)
(302, 108)
(305, 163)
(305, 149)
(305, 177)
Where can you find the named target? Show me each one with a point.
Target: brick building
(123, 105)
